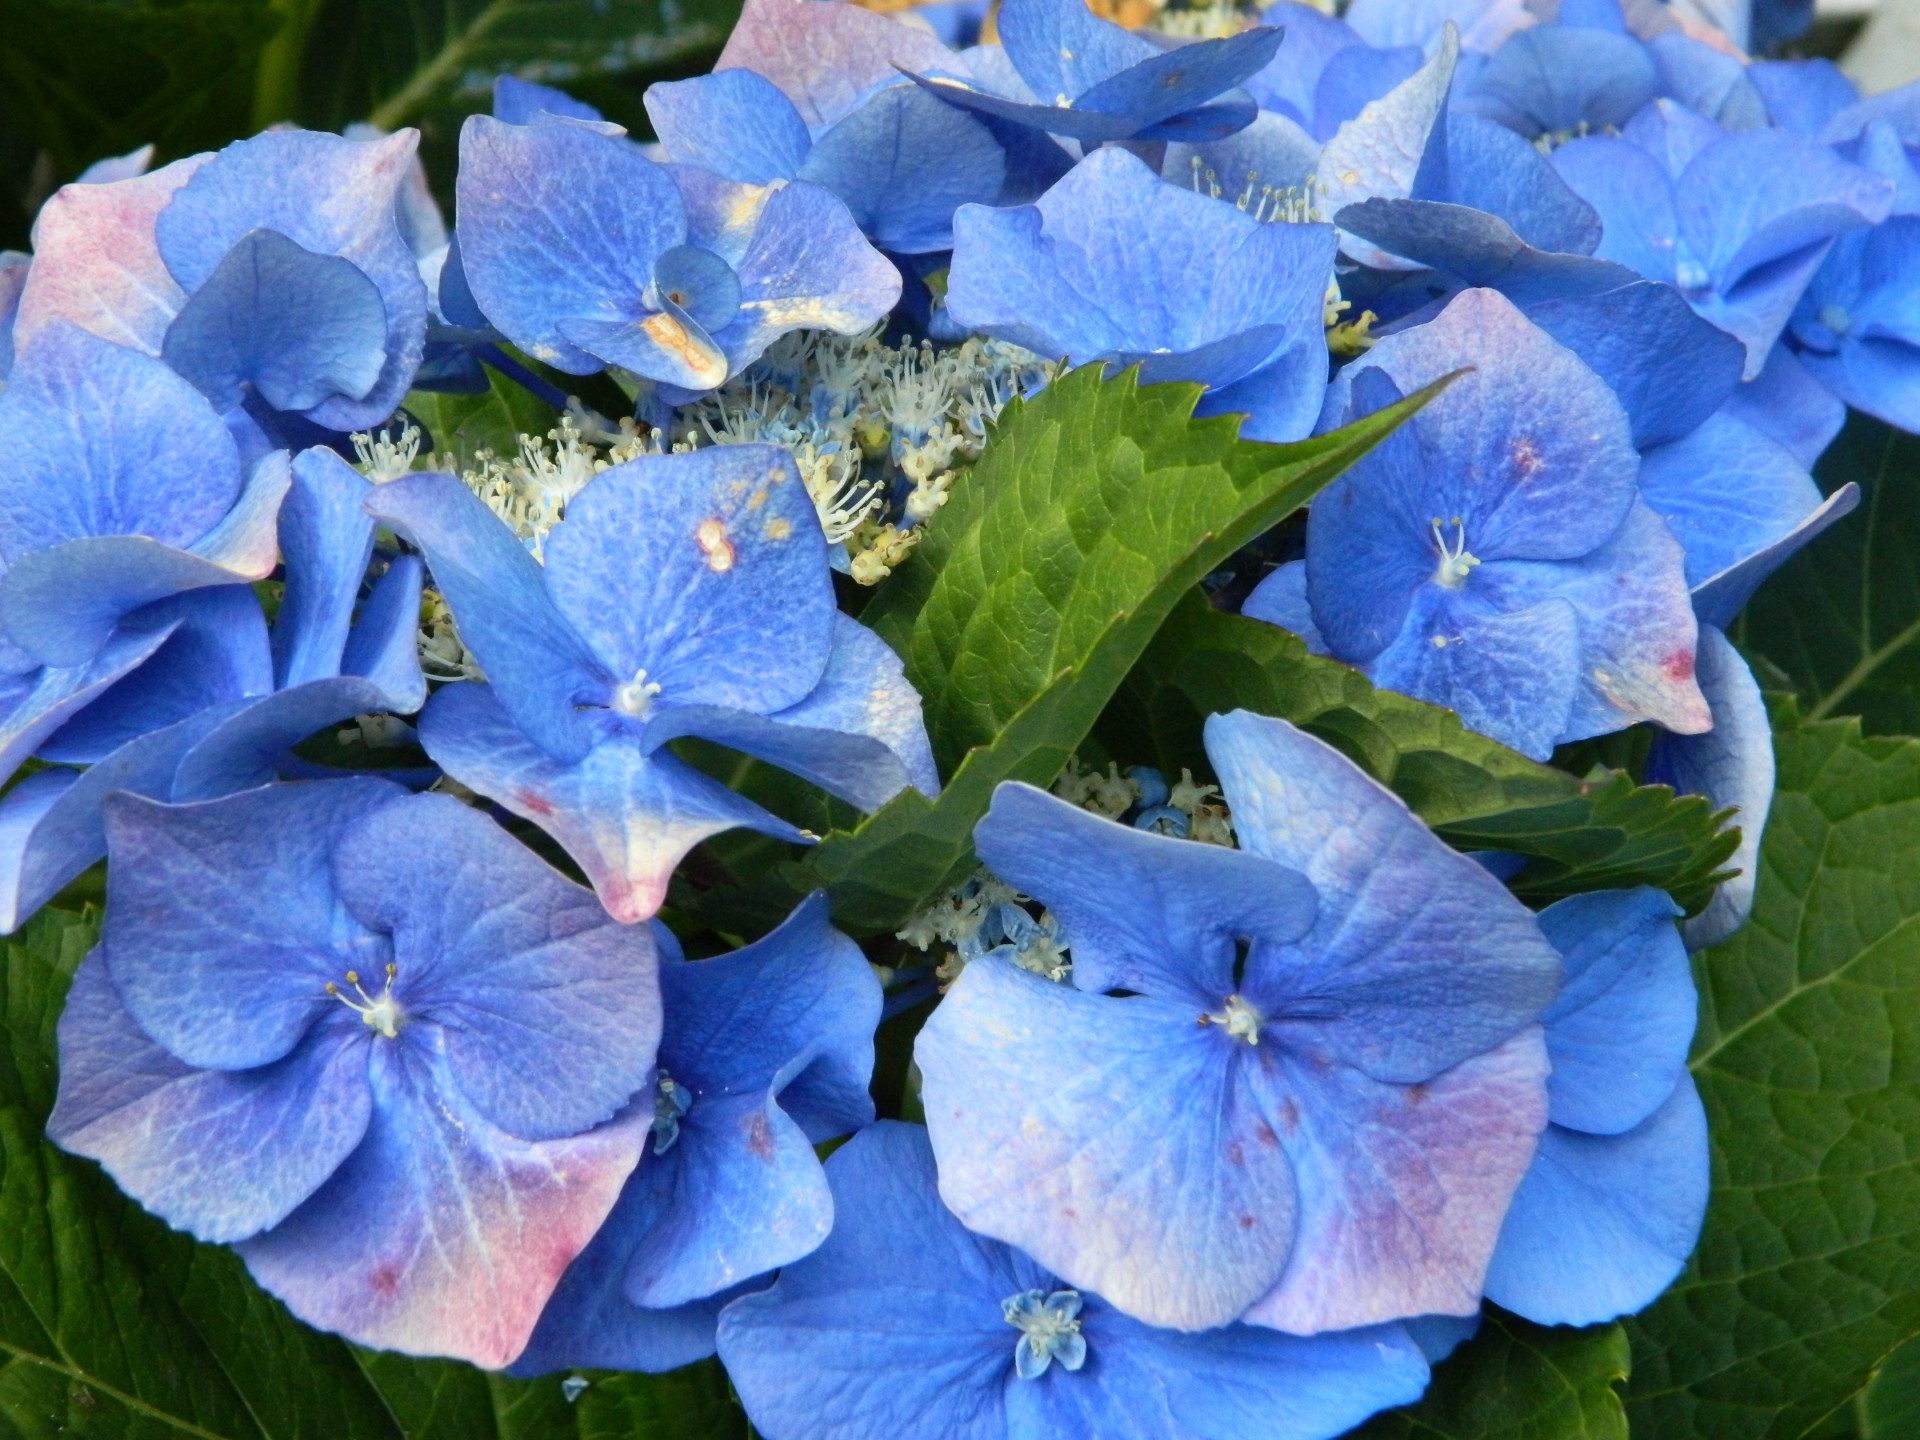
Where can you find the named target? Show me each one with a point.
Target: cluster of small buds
(386, 454)
(1142, 797)
(1345, 338)
(531, 489)
(984, 916)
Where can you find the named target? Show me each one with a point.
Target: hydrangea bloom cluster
(1237, 1091)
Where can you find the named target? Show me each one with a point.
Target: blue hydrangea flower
(683, 595)
(1319, 1083)
(216, 708)
(1857, 328)
(766, 1052)
(122, 490)
(273, 273)
(369, 1040)
(1493, 555)
(1483, 25)
(1737, 222)
(1612, 1204)
(1115, 264)
(815, 91)
(586, 254)
(1089, 79)
(981, 1343)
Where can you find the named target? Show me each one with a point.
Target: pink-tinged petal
(625, 816)
(826, 57)
(1111, 1139)
(442, 1235)
(1403, 1188)
(97, 264)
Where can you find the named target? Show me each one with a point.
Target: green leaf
(1094, 508)
(1593, 834)
(1890, 1405)
(1808, 1059)
(494, 420)
(1516, 1381)
(1842, 618)
(113, 1327)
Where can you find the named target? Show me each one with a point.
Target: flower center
(380, 1012)
(1835, 318)
(1455, 563)
(671, 1102)
(635, 698)
(1239, 1019)
(1049, 1327)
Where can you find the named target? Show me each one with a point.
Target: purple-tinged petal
(1725, 491)
(326, 539)
(1418, 959)
(442, 1235)
(498, 594)
(98, 266)
(540, 250)
(626, 817)
(222, 925)
(1402, 1191)
(1603, 1223)
(550, 1010)
(220, 1154)
(1618, 1031)
(826, 58)
(735, 123)
(1119, 1144)
(1732, 765)
(1717, 599)
(517, 101)
(331, 196)
(706, 573)
(1786, 402)
(1145, 912)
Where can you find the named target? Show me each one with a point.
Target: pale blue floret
(1049, 1331)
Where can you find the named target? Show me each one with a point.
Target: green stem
(276, 85)
(421, 86)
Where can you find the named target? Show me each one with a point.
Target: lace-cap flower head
(1104, 267)
(1316, 1088)
(585, 253)
(122, 489)
(767, 1051)
(275, 268)
(370, 1040)
(984, 1344)
(1493, 555)
(682, 595)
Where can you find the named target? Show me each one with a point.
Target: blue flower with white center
(1089, 79)
(218, 706)
(122, 491)
(1493, 555)
(802, 1355)
(682, 595)
(1612, 1204)
(814, 90)
(1737, 222)
(766, 1052)
(585, 254)
(1293, 1083)
(272, 275)
(372, 1042)
(1115, 264)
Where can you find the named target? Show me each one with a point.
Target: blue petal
(1732, 765)
(1145, 912)
(1476, 248)
(517, 101)
(1802, 95)
(1065, 50)
(442, 1235)
(1632, 194)
(36, 703)
(550, 1010)
(498, 594)
(223, 927)
(1603, 1223)
(1554, 78)
(248, 745)
(732, 122)
(590, 1322)
(326, 539)
(802, 1353)
(624, 815)
(1286, 84)
(1618, 1031)
(1719, 598)
(903, 163)
(1167, 95)
(1418, 959)
(1273, 150)
(826, 59)
(1483, 24)
(295, 326)
(1726, 491)
(1125, 1148)
(331, 196)
(105, 441)
(1490, 168)
(1354, 79)
(1669, 368)
(1709, 81)
(1281, 599)
(384, 644)
(537, 256)
(98, 266)
(220, 1154)
(1787, 403)
(707, 571)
